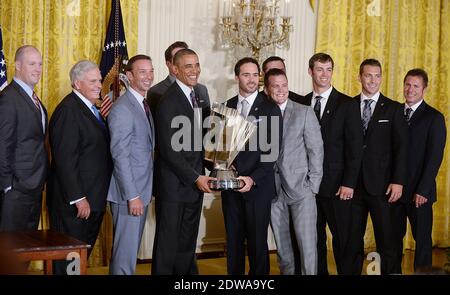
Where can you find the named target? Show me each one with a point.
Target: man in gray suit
(156, 92)
(23, 156)
(298, 173)
(132, 144)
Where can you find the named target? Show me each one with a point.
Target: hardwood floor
(217, 266)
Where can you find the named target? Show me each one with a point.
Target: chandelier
(255, 27)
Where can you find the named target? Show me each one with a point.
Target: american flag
(3, 79)
(114, 58)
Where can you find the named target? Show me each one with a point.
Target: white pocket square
(383, 121)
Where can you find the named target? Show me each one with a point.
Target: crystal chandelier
(255, 27)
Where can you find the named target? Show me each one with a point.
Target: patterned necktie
(193, 99)
(36, 101)
(408, 113)
(244, 108)
(367, 113)
(317, 107)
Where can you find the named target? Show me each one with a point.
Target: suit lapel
(418, 113)
(330, 108)
(232, 103)
(287, 117)
(89, 115)
(254, 110)
(308, 98)
(140, 113)
(379, 109)
(36, 113)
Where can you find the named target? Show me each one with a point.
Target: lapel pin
(256, 109)
(328, 111)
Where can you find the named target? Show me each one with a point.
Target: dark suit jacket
(81, 161)
(23, 157)
(157, 91)
(384, 147)
(426, 142)
(248, 163)
(176, 171)
(342, 136)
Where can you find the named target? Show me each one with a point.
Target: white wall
(161, 22)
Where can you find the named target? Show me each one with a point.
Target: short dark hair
(245, 60)
(369, 62)
(134, 59)
(417, 72)
(269, 59)
(182, 53)
(178, 44)
(272, 72)
(320, 57)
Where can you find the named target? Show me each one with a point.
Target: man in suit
(132, 143)
(383, 170)
(156, 92)
(276, 62)
(180, 170)
(247, 211)
(81, 161)
(298, 172)
(426, 141)
(23, 156)
(342, 138)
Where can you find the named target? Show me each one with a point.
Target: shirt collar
(283, 106)
(324, 94)
(24, 86)
(375, 97)
(186, 90)
(86, 101)
(137, 96)
(414, 106)
(250, 99)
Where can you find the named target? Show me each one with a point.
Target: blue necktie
(97, 115)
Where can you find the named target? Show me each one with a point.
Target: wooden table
(44, 245)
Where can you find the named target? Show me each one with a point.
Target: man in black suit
(23, 156)
(81, 160)
(247, 211)
(180, 170)
(276, 62)
(426, 142)
(383, 170)
(342, 136)
(156, 92)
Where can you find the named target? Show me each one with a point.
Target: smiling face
(90, 85)
(370, 79)
(321, 75)
(141, 76)
(278, 89)
(248, 79)
(413, 89)
(187, 69)
(29, 67)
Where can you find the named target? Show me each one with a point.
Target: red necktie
(36, 101)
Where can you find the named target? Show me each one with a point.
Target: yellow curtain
(402, 34)
(65, 31)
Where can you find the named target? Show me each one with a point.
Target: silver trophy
(227, 136)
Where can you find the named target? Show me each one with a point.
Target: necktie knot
(408, 112)
(193, 99)
(367, 113)
(318, 107)
(244, 108)
(36, 101)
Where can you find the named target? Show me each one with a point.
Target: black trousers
(421, 220)
(85, 230)
(20, 211)
(176, 237)
(246, 221)
(381, 213)
(337, 214)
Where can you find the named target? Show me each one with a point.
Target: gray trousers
(304, 216)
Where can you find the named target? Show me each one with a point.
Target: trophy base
(226, 180)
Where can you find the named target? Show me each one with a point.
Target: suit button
(364, 146)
